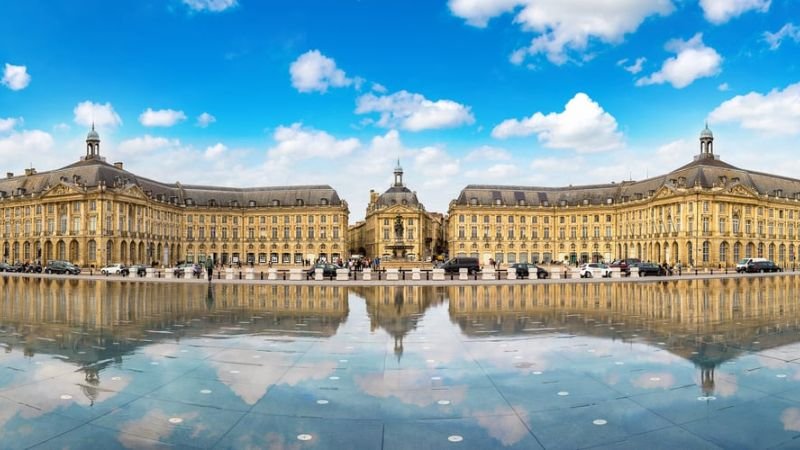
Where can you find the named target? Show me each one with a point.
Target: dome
(706, 133)
(398, 195)
(93, 136)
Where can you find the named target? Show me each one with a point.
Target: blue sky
(535, 92)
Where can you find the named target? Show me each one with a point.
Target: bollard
(695, 272)
(262, 276)
(240, 274)
(712, 271)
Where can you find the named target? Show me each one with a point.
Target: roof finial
(93, 125)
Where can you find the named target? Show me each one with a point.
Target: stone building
(397, 226)
(95, 213)
(706, 213)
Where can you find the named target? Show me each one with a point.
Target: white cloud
(379, 88)
(205, 119)
(721, 11)
(692, 60)
(146, 144)
(215, 151)
(61, 127)
(494, 172)
(313, 71)
(414, 112)
(210, 5)
(33, 142)
(583, 126)
(788, 31)
(9, 123)
(776, 112)
(488, 153)
(564, 26)
(100, 114)
(723, 87)
(633, 68)
(16, 77)
(161, 117)
(295, 142)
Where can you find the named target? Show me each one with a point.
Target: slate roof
(706, 172)
(91, 173)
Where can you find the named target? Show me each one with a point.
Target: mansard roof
(92, 173)
(705, 172)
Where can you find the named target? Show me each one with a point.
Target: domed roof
(706, 133)
(92, 136)
(398, 195)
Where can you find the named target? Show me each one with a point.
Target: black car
(139, 269)
(762, 266)
(651, 269)
(62, 267)
(328, 270)
(454, 265)
(33, 268)
(524, 269)
(17, 267)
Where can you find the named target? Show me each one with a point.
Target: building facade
(94, 213)
(397, 226)
(706, 213)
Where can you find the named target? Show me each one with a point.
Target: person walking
(209, 269)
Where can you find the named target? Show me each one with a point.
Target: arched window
(323, 202)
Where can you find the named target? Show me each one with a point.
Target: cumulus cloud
(414, 112)
(16, 77)
(146, 144)
(634, 67)
(775, 112)
(563, 26)
(161, 117)
(205, 119)
(788, 31)
(721, 11)
(210, 5)
(313, 71)
(296, 142)
(215, 151)
(9, 123)
(583, 126)
(100, 114)
(692, 60)
(723, 87)
(33, 142)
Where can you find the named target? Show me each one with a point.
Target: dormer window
(609, 201)
(521, 202)
(498, 201)
(323, 202)
(651, 193)
(299, 202)
(189, 202)
(234, 203)
(212, 203)
(251, 203)
(562, 203)
(585, 201)
(545, 203)
(276, 203)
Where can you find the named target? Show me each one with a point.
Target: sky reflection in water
(697, 364)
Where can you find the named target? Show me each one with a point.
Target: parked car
(139, 269)
(5, 267)
(33, 268)
(624, 268)
(188, 270)
(115, 269)
(590, 270)
(461, 262)
(328, 270)
(525, 269)
(62, 267)
(741, 266)
(17, 267)
(762, 266)
(651, 269)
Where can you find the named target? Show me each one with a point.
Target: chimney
(373, 196)
(118, 165)
(29, 172)
(9, 174)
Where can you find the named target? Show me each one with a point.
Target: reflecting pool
(665, 364)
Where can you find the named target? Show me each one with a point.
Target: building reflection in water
(94, 324)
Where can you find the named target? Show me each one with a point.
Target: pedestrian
(209, 269)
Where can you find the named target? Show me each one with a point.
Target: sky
(524, 92)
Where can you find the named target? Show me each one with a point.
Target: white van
(741, 266)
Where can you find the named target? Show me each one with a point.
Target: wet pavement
(709, 363)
